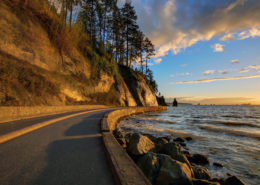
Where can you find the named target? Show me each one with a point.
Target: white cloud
(184, 65)
(250, 68)
(213, 100)
(217, 47)
(184, 74)
(216, 79)
(244, 70)
(210, 72)
(157, 60)
(254, 32)
(228, 36)
(254, 67)
(235, 61)
(223, 72)
(172, 76)
(174, 25)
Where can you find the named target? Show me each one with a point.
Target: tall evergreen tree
(149, 51)
(129, 18)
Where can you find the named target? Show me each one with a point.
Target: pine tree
(149, 51)
(129, 18)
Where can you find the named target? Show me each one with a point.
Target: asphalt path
(19, 124)
(69, 152)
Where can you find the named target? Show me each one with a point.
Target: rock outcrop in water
(164, 163)
(175, 103)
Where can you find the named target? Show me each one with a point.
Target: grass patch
(24, 84)
(109, 98)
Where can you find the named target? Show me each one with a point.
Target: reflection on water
(227, 134)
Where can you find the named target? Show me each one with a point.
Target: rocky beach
(175, 156)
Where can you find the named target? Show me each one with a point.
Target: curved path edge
(125, 171)
(12, 135)
(11, 113)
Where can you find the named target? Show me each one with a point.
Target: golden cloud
(171, 28)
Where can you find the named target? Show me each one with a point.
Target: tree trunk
(127, 46)
(71, 9)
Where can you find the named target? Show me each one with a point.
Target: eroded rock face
(125, 97)
(139, 144)
(173, 172)
(30, 42)
(146, 96)
(140, 90)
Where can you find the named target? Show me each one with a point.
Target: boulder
(150, 165)
(217, 164)
(201, 173)
(179, 140)
(173, 172)
(203, 182)
(228, 174)
(199, 159)
(151, 137)
(160, 142)
(183, 144)
(139, 144)
(122, 142)
(173, 150)
(117, 133)
(219, 180)
(127, 137)
(188, 138)
(233, 180)
(186, 153)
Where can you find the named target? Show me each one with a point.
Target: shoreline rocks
(217, 164)
(139, 144)
(164, 163)
(199, 159)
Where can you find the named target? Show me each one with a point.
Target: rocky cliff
(34, 71)
(142, 92)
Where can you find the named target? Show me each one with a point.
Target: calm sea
(226, 134)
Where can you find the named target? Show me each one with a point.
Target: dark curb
(125, 171)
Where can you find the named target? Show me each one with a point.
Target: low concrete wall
(125, 171)
(110, 123)
(18, 113)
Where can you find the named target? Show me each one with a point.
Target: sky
(207, 51)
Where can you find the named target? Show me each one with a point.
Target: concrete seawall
(125, 171)
(18, 113)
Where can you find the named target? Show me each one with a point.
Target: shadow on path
(79, 159)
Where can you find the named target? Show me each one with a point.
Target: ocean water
(226, 134)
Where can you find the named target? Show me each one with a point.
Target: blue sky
(207, 51)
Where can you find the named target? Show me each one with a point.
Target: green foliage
(110, 98)
(105, 34)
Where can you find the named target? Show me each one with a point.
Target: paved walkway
(68, 152)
